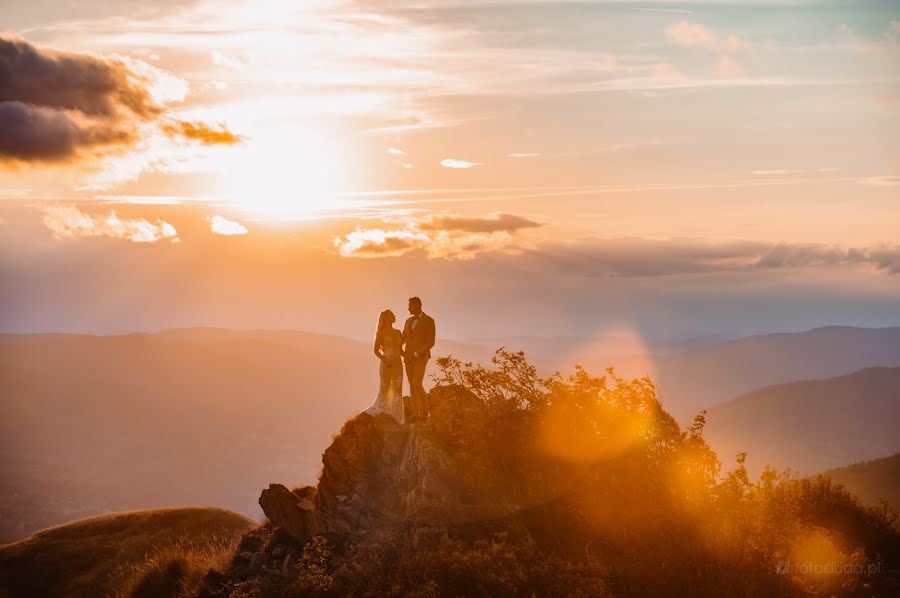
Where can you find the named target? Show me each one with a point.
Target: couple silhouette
(411, 348)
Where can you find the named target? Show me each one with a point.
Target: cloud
(220, 59)
(34, 133)
(695, 35)
(777, 171)
(443, 237)
(68, 222)
(665, 71)
(395, 151)
(454, 163)
(729, 66)
(692, 35)
(635, 257)
(223, 226)
(524, 155)
(53, 104)
(202, 132)
(60, 107)
(501, 223)
(376, 242)
(881, 181)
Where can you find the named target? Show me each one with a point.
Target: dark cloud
(501, 223)
(62, 106)
(32, 133)
(67, 81)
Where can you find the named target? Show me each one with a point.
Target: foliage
(608, 495)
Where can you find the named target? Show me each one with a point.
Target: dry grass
(177, 570)
(119, 554)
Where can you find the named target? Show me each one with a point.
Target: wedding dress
(390, 387)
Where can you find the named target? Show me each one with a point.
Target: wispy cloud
(881, 181)
(444, 237)
(69, 222)
(636, 257)
(223, 226)
(653, 9)
(454, 163)
(501, 223)
(777, 171)
(524, 155)
(699, 36)
(376, 242)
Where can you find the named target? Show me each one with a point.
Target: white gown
(390, 387)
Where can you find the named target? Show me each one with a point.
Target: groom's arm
(429, 337)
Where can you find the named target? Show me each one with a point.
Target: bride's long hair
(384, 321)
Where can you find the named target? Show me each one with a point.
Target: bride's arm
(379, 344)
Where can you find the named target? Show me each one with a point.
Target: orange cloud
(202, 132)
(443, 237)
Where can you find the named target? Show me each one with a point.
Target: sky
(554, 168)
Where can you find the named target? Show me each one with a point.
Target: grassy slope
(99, 556)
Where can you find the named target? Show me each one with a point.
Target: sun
(283, 172)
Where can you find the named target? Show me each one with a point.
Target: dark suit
(418, 342)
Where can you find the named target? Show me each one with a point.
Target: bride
(387, 349)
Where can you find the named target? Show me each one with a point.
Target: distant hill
(102, 555)
(699, 378)
(872, 481)
(813, 425)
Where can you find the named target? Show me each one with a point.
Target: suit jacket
(421, 339)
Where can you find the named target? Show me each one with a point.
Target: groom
(418, 338)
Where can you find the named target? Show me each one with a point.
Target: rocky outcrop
(293, 512)
(375, 473)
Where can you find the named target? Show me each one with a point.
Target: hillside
(813, 425)
(102, 555)
(872, 481)
(583, 487)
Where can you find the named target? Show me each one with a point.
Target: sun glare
(284, 172)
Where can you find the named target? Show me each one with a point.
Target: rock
(295, 515)
(377, 474)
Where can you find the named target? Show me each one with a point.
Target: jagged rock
(297, 515)
(376, 473)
